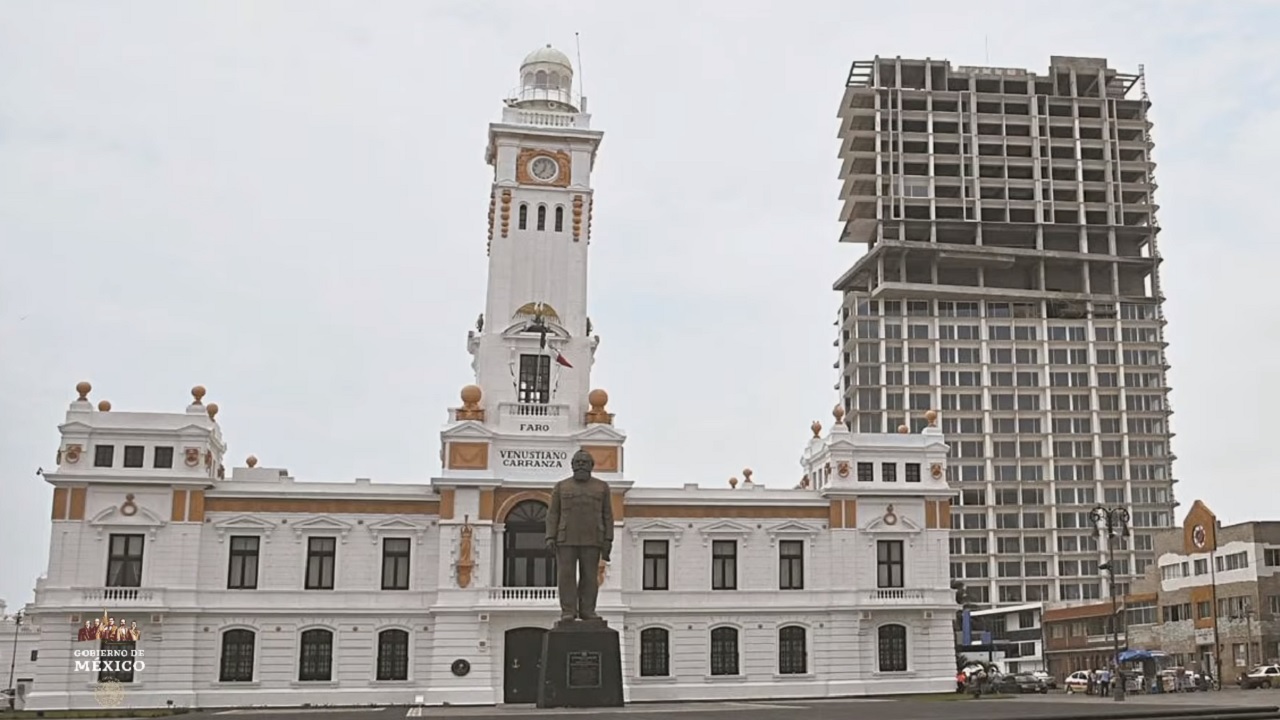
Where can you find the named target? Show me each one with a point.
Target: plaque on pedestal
(581, 666)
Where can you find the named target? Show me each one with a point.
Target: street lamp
(1114, 522)
(17, 626)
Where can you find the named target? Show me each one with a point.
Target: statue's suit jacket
(581, 513)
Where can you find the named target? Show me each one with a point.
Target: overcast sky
(287, 201)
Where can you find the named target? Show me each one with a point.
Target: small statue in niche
(480, 323)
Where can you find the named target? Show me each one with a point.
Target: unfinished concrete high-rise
(1012, 282)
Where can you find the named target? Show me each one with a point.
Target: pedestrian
(1090, 680)
(1104, 683)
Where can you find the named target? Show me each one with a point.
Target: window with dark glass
(535, 379)
(791, 565)
(163, 457)
(655, 652)
(393, 655)
(724, 565)
(322, 555)
(892, 646)
(237, 656)
(913, 472)
(526, 560)
(866, 472)
(656, 560)
(522, 221)
(889, 564)
(542, 217)
(315, 661)
(133, 455)
(104, 455)
(120, 653)
(395, 564)
(724, 651)
(559, 218)
(124, 561)
(243, 571)
(889, 472)
(793, 655)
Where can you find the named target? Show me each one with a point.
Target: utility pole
(1114, 523)
(13, 661)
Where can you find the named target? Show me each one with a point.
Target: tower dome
(546, 81)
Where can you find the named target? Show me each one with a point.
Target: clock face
(544, 169)
(1199, 536)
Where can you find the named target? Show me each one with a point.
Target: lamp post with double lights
(1114, 523)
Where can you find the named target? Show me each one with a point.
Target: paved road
(1030, 708)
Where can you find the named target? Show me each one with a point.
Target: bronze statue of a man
(580, 534)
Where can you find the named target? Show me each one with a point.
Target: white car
(1077, 681)
(1263, 676)
(1046, 678)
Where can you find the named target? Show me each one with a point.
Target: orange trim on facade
(195, 508)
(937, 514)
(318, 506)
(1142, 597)
(447, 497)
(60, 496)
(1201, 515)
(78, 498)
(619, 506)
(1202, 594)
(1078, 612)
(608, 458)
(722, 511)
(508, 499)
(179, 511)
(486, 504)
(468, 456)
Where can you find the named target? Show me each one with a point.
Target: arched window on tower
(523, 222)
(542, 217)
(559, 218)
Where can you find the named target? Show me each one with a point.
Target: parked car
(1047, 679)
(1077, 681)
(1019, 683)
(1263, 676)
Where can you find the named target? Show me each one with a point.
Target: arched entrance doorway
(526, 562)
(521, 663)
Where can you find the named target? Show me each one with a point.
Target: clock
(544, 168)
(1199, 536)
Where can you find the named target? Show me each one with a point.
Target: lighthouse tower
(532, 404)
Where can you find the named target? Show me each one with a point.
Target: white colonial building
(250, 588)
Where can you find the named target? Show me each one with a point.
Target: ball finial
(251, 461)
(904, 429)
(816, 427)
(733, 482)
(104, 406)
(598, 399)
(197, 394)
(838, 413)
(746, 474)
(84, 388)
(212, 410)
(471, 395)
(931, 417)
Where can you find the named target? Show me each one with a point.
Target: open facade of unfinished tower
(1012, 281)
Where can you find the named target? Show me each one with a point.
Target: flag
(561, 360)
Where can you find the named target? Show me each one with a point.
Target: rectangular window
(395, 564)
(121, 672)
(133, 455)
(791, 565)
(163, 458)
(913, 472)
(535, 379)
(124, 563)
(243, 571)
(866, 472)
(104, 455)
(889, 564)
(655, 653)
(657, 560)
(724, 565)
(322, 554)
(889, 472)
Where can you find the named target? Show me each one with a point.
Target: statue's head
(582, 464)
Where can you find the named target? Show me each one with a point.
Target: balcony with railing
(524, 596)
(554, 416)
(116, 597)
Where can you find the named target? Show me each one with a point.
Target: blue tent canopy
(1139, 655)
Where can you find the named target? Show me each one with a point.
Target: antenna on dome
(582, 88)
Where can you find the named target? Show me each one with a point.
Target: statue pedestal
(581, 666)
